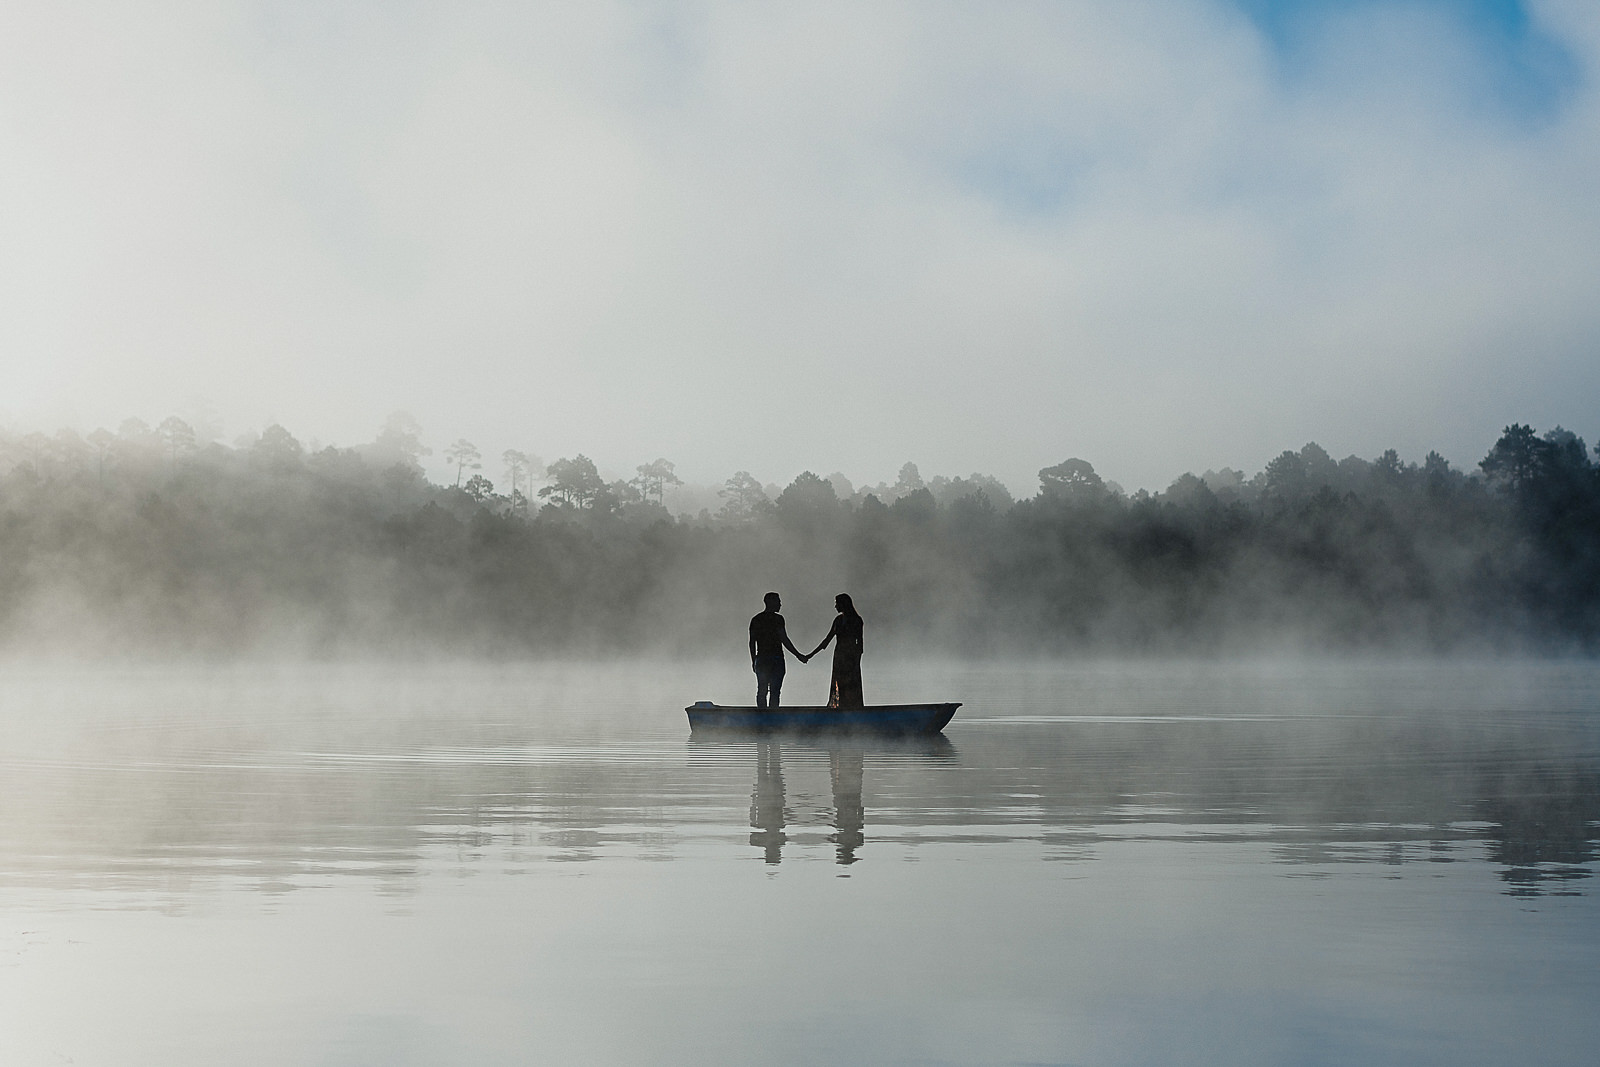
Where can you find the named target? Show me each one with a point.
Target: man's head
(773, 601)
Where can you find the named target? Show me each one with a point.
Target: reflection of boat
(925, 748)
(881, 718)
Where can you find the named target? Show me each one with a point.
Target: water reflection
(844, 770)
(1542, 826)
(768, 816)
(766, 802)
(1317, 794)
(1125, 866)
(138, 801)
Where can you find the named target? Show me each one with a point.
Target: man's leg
(769, 681)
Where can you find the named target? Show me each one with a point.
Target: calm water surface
(1107, 863)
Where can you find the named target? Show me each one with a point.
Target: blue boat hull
(882, 718)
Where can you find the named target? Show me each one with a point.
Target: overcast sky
(984, 237)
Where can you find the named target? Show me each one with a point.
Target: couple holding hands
(768, 639)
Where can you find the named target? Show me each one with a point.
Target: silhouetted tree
(807, 495)
(399, 443)
(178, 436)
(1515, 458)
(623, 493)
(518, 465)
(1190, 491)
(102, 440)
(1073, 480)
(36, 444)
(69, 452)
(1388, 468)
(909, 480)
(916, 506)
(1285, 476)
(1319, 467)
(654, 477)
(465, 455)
(1565, 455)
(278, 450)
(1437, 476)
(743, 498)
(576, 482)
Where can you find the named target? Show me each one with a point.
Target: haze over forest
(151, 541)
(1063, 245)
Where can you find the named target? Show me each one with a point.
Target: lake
(1132, 862)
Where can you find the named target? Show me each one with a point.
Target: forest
(149, 541)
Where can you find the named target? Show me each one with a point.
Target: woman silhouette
(845, 690)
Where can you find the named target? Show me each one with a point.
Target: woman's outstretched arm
(831, 632)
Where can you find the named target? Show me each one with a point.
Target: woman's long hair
(847, 606)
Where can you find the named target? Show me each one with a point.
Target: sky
(1164, 236)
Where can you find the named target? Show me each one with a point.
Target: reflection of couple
(768, 815)
(768, 639)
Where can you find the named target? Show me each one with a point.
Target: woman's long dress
(845, 690)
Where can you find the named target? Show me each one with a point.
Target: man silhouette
(768, 639)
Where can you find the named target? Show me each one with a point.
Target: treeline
(149, 540)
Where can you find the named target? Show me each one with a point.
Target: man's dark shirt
(767, 629)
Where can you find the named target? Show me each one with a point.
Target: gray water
(1099, 863)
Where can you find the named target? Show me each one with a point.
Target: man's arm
(752, 644)
(783, 631)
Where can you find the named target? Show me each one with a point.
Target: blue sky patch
(1525, 72)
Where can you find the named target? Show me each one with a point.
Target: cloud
(1155, 235)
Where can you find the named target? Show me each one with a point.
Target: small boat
(880, 718)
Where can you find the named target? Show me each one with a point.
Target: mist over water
(1109, 861)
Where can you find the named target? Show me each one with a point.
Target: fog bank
(146, 542)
